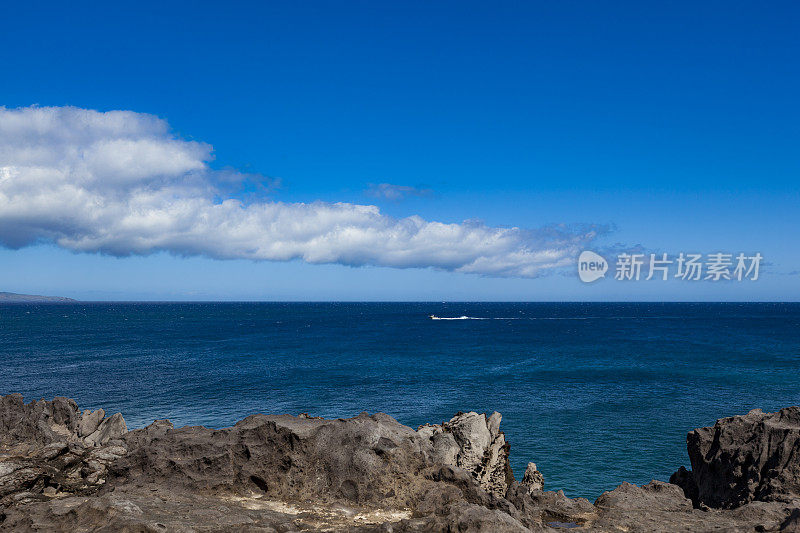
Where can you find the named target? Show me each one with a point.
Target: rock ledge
(66, 470)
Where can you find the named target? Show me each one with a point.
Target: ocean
(594, 393)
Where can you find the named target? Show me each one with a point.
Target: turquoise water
(593, 393)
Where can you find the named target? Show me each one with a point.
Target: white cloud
(121, 183)
(396, 193)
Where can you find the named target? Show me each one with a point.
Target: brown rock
(110, 428)
(367, 473)
(754, 457)
(90, 420)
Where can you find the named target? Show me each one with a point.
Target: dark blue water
(593, 393)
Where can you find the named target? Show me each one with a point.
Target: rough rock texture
(63, 470)
(661, 507)
(533, 480)
(366, 459)
(475, 443)
(754, 457)
(44, 422)
(45, 449)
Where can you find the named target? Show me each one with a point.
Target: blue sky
(675, 124)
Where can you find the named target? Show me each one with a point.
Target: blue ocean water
(594, 393)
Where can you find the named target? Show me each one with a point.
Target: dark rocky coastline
(66, 470)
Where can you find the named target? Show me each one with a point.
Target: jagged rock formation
(533, 480)
(475, 443)
(44, 422)
(754, 457)
(63, 470)
(50, 448)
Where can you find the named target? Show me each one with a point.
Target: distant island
(10, 297)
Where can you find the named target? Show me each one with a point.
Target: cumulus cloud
(395, 193)
(121, 183)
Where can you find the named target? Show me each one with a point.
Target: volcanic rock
(475, 443)
(63, 470)
(753, 457)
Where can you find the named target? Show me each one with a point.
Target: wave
(464, 317)
(434, 317)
